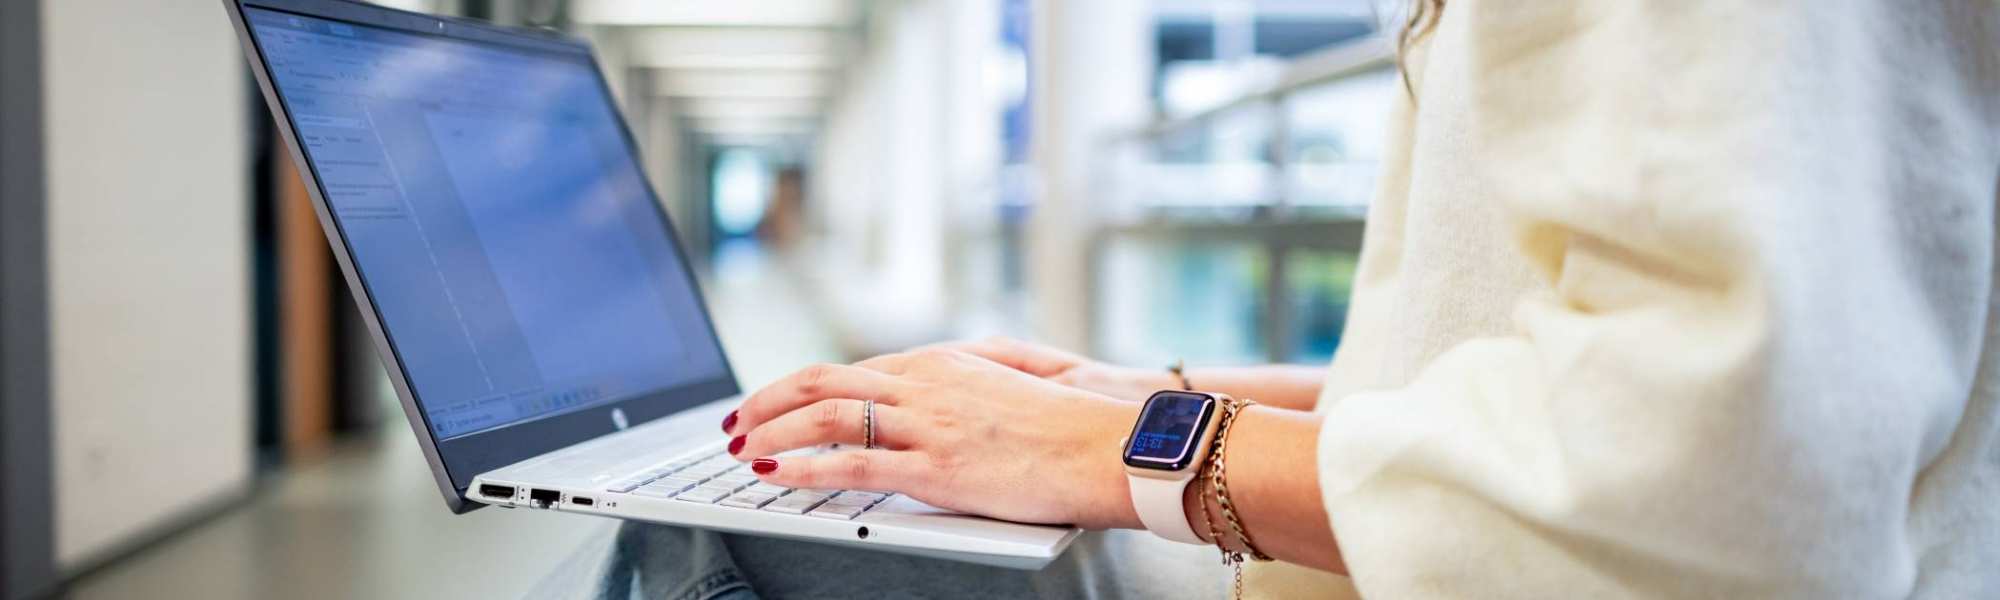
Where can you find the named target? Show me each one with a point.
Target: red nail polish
(729, 422)
(764, 465)
(736, 445)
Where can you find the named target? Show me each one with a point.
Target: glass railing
(1202, 300)
(1232, 235)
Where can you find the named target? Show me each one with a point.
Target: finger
(838, 421)
(813, 384)
(925, 364)
(896, 363)
(1018, 355)
(880, 470)
(935, 366)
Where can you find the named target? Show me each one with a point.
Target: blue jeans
(675, 563)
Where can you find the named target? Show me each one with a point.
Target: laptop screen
(497, 217)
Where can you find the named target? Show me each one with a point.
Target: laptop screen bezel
(457, 460)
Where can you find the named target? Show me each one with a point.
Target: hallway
(366, 521)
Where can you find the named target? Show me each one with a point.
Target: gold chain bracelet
(1214, 472)
(1219, 478)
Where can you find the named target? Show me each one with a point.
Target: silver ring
(868, 424)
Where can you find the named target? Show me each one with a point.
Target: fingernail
(764, 465)
(736, 444)
(729, 422)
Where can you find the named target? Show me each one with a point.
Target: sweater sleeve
(1766, 236)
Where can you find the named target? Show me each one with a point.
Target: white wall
(149, 286)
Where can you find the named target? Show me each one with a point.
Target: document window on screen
(497, 217)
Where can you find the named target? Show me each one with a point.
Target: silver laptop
(525, 289)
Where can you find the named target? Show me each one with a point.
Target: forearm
(1273, 480)
(1284, 386)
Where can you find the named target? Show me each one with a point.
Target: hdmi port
(503, 492)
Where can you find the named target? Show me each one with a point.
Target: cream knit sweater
(1678, 298)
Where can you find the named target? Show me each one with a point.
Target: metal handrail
(1339, 61)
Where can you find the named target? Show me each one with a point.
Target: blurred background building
(184, 380)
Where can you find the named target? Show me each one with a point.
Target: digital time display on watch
(1167, 429)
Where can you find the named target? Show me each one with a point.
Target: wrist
(1105, 452)
(1152, 380)
(1172, 436)
(1191, 500)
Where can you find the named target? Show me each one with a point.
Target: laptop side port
(496, 492)
(582, 501)
(541, 498)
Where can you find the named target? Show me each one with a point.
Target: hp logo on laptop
(618, 419)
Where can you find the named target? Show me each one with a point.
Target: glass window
(1202, 301)
(1317, 286)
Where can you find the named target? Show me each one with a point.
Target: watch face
(1167, 431)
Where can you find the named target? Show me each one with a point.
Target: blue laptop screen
(496, 216)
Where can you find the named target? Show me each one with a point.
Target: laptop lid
(486, 203)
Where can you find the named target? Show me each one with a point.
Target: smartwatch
(1164, 452)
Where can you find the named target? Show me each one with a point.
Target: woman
(1670, 298)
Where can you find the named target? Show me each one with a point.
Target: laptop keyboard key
(720, 479)
(838, 511)
(862, 498)
(804, 495)
(748, 500)
(796, 504)
(765, 488)
(651, 492)
(669, 485)
(703, 495)
(847, 500)
(705, 472)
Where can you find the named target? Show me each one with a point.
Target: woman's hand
(954, 430)
(1284, 386)
(1124, 383)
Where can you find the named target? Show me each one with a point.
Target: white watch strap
(1158, 502)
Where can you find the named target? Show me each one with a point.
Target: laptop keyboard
(720, 480)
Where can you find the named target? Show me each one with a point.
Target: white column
(149, 260)
(910, 247)
(1092, 63)
(880, 177)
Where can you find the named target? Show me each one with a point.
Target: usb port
(581, 501)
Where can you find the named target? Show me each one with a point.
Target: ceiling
(735, 69)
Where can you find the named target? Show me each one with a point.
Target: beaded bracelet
(1179, 369)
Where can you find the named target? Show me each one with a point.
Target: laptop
(526, 291)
